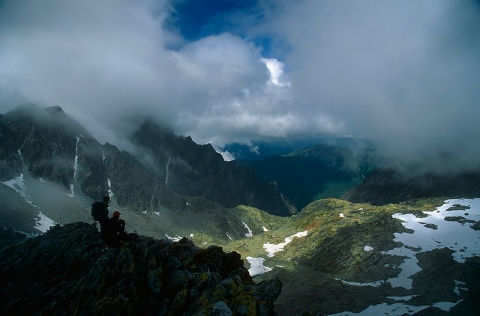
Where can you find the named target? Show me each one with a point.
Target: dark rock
(9, 236)
(198, 170)
(438, 268)
(387, 186)
(476, 226)
(47, 143)
(69, 271)
(430, 225)
(460, 219)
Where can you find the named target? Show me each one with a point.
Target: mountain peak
(53, 116)
(55, 109)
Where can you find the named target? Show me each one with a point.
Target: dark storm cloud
(404, 73)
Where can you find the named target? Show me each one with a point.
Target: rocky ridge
(385, 186)
(68, 271)
(47, 144)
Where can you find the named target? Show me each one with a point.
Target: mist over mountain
(316, 172)
(385, 186)
(264, 149)
(47, 144)
(198, 170)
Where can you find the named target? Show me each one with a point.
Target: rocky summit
(69, 271)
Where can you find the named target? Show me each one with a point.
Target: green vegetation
(310, 267)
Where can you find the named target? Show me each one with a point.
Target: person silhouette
(116, 233)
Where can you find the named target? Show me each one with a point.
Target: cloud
(403, 73)
(108, 63)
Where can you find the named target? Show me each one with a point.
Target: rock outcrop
(68, 271)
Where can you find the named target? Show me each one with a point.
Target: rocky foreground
(68, 271)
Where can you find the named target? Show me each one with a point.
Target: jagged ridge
(48, 144)
(68, 271)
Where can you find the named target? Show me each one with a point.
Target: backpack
(99, 211)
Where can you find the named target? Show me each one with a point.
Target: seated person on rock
(116, 234)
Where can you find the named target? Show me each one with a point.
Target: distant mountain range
(316, 172)
(48, 159)
(385, 186)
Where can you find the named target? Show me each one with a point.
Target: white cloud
(403, 73)
(275, 68)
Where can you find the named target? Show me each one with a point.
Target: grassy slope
(333, 248)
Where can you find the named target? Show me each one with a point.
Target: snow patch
(372, 284)
(457, 236)
(272, 248)
(43, 223)
(446, 306)
(174, 238)
(167, 173)
(265, 229)
(385, 309)
(110, 192)
(460, 286)
(71, 194)
(257, 267)
(228, 236)
(18, 184)
(342, 215)
(75, 163)
(249, 232)
(368, 248)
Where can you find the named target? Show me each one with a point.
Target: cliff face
(47, 144)
(198, 170)
(68, 271)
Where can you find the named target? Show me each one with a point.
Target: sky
(403, 74)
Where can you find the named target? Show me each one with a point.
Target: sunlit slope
(338, 256)
(337, 227)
